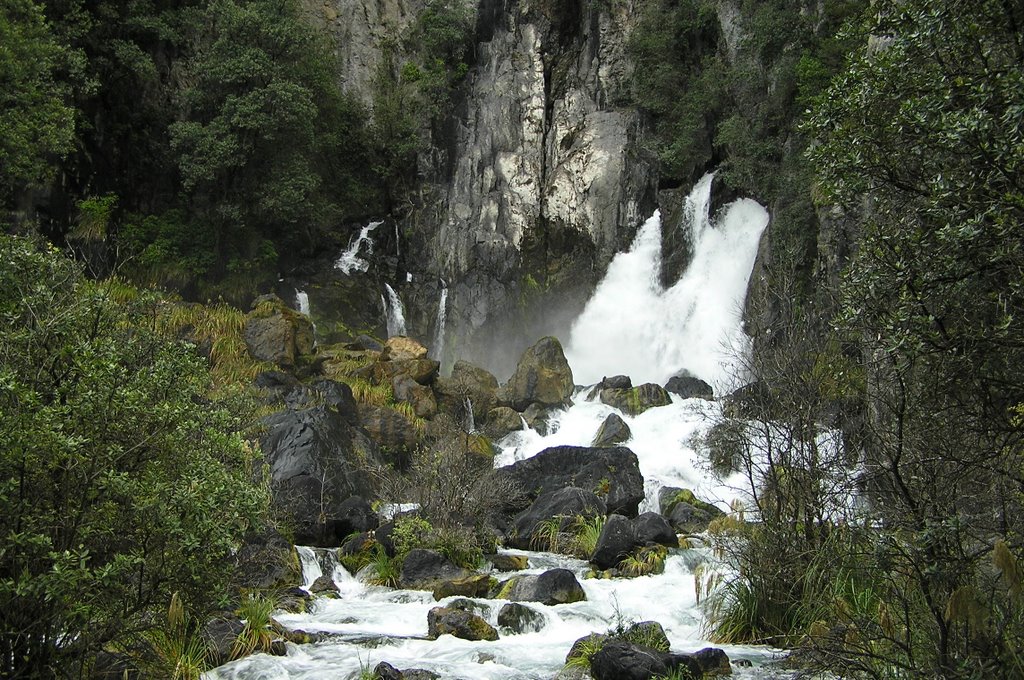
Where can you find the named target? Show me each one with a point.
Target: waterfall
(395, 312)
(349, 260)
(442, 312)
(309, 565)
(635, 326)
(470, 421)
(398, 249)
(302, 301)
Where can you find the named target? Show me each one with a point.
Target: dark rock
(446, 621)
(421, 397)
(274, 332)
(316, 461)
(587, 642)
(277, 384)
(220, 634)
(475, 585)
(502, 420)
(713, 661)
(617, 540)
(621, 660)
(537, 417)
(385, 671)
(518, 618)
(354, 516)
(615, 382)
(650, 527)
(647, 634)
(324, 584)
(555, 586)
(472, 606)
(566, 503)
(367, 343)
(503, 562)
(613, 468)
(636, 400)
(419, 674)
(542, 376)
(689, 386)
(613, 430)
(278, 648)
(425, 569)
(392, 431)
(687, 519)
(265, 560)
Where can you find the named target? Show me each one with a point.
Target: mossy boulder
(401, 348)
(685, 512)
(461, 624)
(636, 400)
(475, 585)
(503, 562)
(542, 376)
(555, 586)
(518, 618)
(276, 333)
(501, 421)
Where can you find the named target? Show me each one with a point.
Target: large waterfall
(634, 326)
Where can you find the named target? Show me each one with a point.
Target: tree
(36, 124)
(120, 483)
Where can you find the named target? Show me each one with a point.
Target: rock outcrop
(566, 504)
(542, 377)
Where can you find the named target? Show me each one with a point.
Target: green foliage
(387, 571)
(644, 562)
(176, 650)
(411, 533)
(36, 124)
(257, 635)
(122, 482)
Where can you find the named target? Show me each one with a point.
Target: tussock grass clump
(255, 610)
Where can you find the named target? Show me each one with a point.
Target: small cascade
(302, 301)
(442, 313)
(395, 312)
(398, 248)
(470, 421)
(349, 261)
(309, 565)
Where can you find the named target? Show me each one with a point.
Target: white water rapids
(631, 326)
(349, 260)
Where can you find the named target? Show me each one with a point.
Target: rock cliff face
(540, 178)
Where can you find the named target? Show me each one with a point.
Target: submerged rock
(518, 618)
(542, 376)
(613, 430)
(447, 621)
(689, 386)
(555, 586)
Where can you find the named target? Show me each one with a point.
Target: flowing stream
(633, 326)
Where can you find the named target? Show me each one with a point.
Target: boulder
(353, 516)
(685, 512)
(647, 634)
(481, 609)
(621, 660)
(651, 528)
(617, 540)
(426, 569)
(585, 643)
(636, 400)
(393, 432)
(471, 382)
(275, 384)
(324, 585)
(502, 420)
(407, 390)
(365, 342)
(220, 634)
(385, 671)
(503, 562)
(613, 430)
(612, 469)
(542, 376)
(423, 371)
(518, 618)
(446, 621)
(537, 417)
(713, 661)
(555, 586)
(317, 460)
(401, 348)
(615, 382)
(566, 503)
(689, 386)
(265, 560)
(276, 333)
(474, 585)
